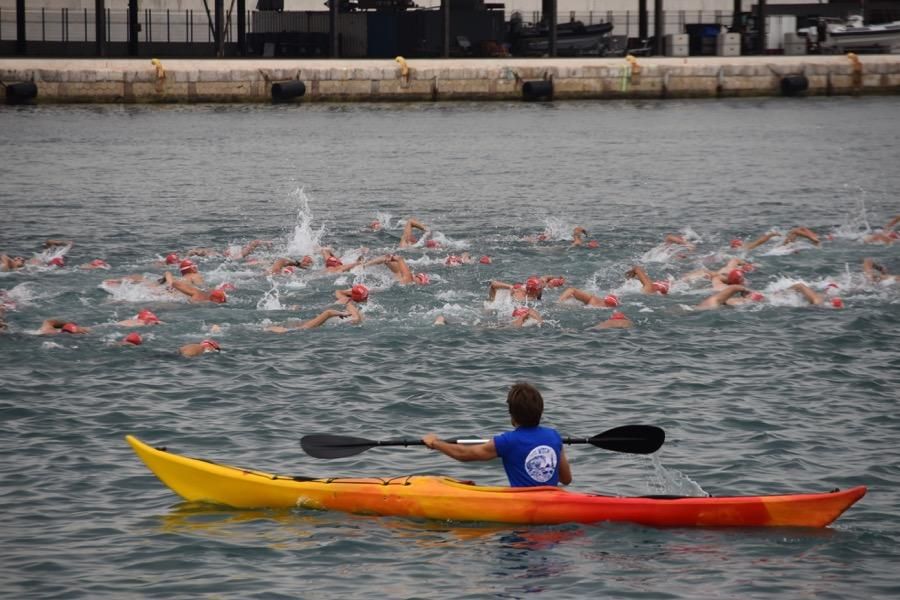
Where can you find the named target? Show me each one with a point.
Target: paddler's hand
(429, 439)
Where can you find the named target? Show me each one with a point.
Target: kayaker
(532, 455)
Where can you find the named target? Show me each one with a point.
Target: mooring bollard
(21, 93)
(287, 90)
(537, 90)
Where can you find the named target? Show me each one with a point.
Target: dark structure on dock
(381, 29)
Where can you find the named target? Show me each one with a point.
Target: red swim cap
(211, 345)
(228, 287)
(661, 286)
(359, 293)
(431, 244)
(333, 261)
(837, 303)
(288, 270)
(485, 260)
(533, 285)
(735, 277)
(453, 261)
(133, 338)
(519, 311)
(70, 328)
(894, 235)
(593, 244)
(218, 296)
(831, 285)
(611, 301)
(147, 317)
(736, 243)
(556, 282)
(58, 261)
(618, 316)
(171, 259)
(757, 297)
(187, 266)
(99, 262)
(422, 278)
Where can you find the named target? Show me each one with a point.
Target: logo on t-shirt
(540, 464)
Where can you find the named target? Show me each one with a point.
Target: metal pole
(761, 25)
(21, 46)
(133, 26)
(332, 28)
(658, 27)
(643, 19)
(552, 24)
(242, 27)
(220, 28)
(445, 28)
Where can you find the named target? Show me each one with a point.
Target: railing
(67, 25)
(189, 26)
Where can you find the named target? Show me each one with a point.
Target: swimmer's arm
(760, 240)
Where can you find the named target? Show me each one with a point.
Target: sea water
(773, 397)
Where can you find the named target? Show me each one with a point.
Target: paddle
(633, 439)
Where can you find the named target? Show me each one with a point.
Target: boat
(572, 39)
(855, 35)
(443, 498)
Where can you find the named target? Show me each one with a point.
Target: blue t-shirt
(530, 455)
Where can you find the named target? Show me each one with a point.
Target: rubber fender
(283, 91)
(794, 85)
(18, 93)
(537, 90)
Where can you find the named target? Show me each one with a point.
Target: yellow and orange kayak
(443, 498)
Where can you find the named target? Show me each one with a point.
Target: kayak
(444, 498)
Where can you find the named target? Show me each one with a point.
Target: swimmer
(617, 320)
(798, 232)
(333, 264)
(400, 269)
(455, 260)
(732, 295)
(647, 286)
(679, 240)
(755, 243)
(251, 247)
(882, 237)
(323, 317)
(97, 263)
(13, 263)
(588, 299)
(358, 293)
(286, 266)
(728, 267)
(577, 236)
(191, 350)
(132, 339)
(523, 314)
(815, 298)
(533, 289)
(190, 273)
(876, 273)
(144, 318)
(56, 243)
(195, 294)
(54, 326)
(408, 238)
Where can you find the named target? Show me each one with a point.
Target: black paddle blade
(325, 445)
(633, 439)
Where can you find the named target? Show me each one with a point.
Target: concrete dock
(242, 80)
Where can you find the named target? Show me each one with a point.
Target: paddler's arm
(461, 452)
(565, 472)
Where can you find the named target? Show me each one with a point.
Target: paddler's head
(526, 405)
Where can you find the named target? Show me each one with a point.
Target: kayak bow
(443, 498)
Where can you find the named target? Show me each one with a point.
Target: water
(772, 398)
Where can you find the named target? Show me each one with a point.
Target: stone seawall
(240, 80)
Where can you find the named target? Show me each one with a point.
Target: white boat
(854, 34)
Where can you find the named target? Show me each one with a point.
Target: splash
(673, 482)
(304, 239)
(271, 300)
